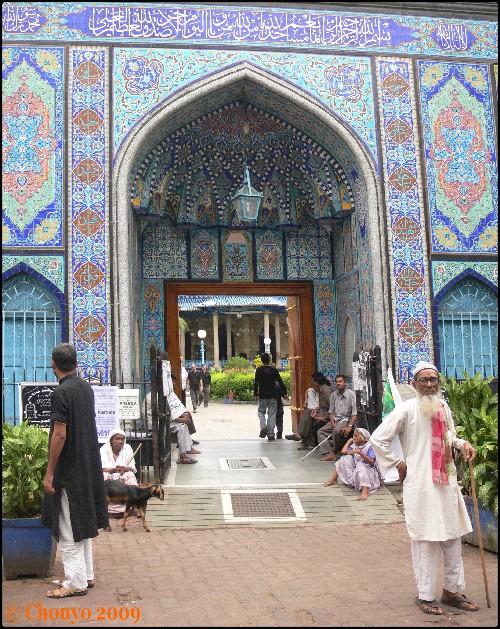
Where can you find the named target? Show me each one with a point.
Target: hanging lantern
(247, 200)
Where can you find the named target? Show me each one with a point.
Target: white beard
(429, 404)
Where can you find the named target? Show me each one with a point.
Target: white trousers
(184, 440)
(76, 556)
(425, 556)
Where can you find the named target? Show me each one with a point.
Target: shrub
(475, 414)
(238, 363)
(24, 463)
(240, 383)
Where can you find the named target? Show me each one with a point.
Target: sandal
(187, 461)
(57, 593)
(429, 607)
(90, 584)
(458, 601)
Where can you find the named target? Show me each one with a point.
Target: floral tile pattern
(32, 168)
(461, 161)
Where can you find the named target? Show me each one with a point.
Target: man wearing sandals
(75, 505)
(435, 512)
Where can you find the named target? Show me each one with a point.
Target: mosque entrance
(300, 318)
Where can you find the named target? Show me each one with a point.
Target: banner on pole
(391, 399)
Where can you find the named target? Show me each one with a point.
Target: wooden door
(300, 325)
(296, 358)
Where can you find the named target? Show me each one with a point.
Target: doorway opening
(300, 320)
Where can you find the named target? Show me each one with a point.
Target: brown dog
(132, 496)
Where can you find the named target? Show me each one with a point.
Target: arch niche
(199, 99)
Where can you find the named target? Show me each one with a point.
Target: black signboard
(35, 402)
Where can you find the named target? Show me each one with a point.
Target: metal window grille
(468, 330)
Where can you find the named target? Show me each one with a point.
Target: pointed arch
(144, 136)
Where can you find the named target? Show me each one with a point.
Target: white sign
(128, 404)
(106, 410)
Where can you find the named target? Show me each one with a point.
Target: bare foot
(329, 457)
(329, 482)
(364, 493)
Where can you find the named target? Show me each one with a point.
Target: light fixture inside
(247, 201)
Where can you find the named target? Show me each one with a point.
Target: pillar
(228, 337)
(277, 334)
(216, 339)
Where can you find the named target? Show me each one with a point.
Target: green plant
(24, 462)
(475, 414)
(238, 363)
(238, 382)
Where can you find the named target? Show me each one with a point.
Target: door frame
(302, 290)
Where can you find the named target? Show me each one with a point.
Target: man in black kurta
(75, 504)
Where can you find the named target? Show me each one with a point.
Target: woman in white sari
(118, 463)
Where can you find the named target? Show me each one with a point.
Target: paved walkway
(351, 571)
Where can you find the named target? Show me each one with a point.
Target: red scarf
(441, 451)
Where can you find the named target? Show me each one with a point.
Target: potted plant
(475, 413)
(27, 547)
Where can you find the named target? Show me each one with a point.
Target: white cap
(423, 365)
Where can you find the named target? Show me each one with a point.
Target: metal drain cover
(275, 505)
(257, 463)
(239, 464)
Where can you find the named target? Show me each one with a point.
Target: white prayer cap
(423, 365)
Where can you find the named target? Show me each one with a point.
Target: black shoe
(263, 433)
(293, 437)
(279, 435)
(270, 438)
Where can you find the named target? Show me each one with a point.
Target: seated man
(117, 459)
(343, 414)
(180, 420)
(315, 413)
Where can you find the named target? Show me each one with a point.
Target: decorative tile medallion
(204, 251)
(33, 124)
(269, 250)
(237, 257)
(461, 163)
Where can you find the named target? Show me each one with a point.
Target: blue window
(468, 330)
(31, 328)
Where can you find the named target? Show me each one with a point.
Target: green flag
(391, 397)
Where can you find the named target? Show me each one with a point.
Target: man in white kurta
(435, 512)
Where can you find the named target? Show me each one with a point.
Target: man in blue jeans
(265, 391)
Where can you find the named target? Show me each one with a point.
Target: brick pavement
(235, 576)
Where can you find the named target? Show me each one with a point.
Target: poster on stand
(106, 410)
